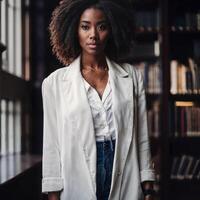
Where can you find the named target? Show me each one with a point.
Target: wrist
(148, 197)
(53, 196)
(149, 192)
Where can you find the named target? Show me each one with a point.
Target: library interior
(165, 48)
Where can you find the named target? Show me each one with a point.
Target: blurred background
(166, 48)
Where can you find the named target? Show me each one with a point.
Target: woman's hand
(149, 193)
(149, 197)
(53, 196)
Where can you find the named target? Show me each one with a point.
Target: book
(175, 167)
(191, 166)
(196, 169)
(186, 121)
(184, 78)
(185, 167)
(189, 21)
(193, 69)
(144, 49)
(152, 76)
(182, 167)
(198, 20)
(154, 120)
(147, 20)
(173, 75)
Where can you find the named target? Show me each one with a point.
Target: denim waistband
(106, 143)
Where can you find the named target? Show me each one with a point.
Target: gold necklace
(92, 69)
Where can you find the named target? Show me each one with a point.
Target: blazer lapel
(122, 95)
(82, 116)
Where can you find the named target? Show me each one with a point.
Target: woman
(95, 129)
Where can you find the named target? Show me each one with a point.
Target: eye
(85, 27)
(102, 27)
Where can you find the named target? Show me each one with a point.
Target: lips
(92, 45)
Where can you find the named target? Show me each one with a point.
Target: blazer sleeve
(147, 173)
(51, 162)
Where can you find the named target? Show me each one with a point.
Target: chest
(98, 80)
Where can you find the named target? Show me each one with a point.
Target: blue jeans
(105, 156)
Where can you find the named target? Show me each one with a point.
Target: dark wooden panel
(13, 87)
(26, 186)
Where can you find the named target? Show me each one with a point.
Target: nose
(93, 34)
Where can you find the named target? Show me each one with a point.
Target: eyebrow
(88, 22)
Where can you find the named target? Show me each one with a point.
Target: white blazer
(69, 146)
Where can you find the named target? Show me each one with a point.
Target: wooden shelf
(185, 4)
(146, 35)
(14, 165)
(181, 35)
(133, 59)
(184, 31)
(185, 182)
(151, 96)
(184, 189)
(185, 97)
(145, 4)
(185, 145)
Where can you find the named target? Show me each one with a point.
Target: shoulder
(136, 76)
(51, 83)
(133, 71)
(55, 76)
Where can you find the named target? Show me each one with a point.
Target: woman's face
(93, 31)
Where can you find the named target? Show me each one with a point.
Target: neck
(93, 61)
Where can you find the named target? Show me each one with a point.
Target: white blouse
(101, 110)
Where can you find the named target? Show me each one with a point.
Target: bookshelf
(180, 178)
(146, 56)
(175, 25)
(184, 37)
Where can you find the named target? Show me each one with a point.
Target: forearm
(53, 196)
(147, 185)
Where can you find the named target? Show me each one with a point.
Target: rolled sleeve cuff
(147, 175)
(52, 184)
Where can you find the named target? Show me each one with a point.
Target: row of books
(185, 78)
(152, 76)
(186, 121)
(145, 49)
(187, 21)
(153, 115)
(185, 167)
(147, 20)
